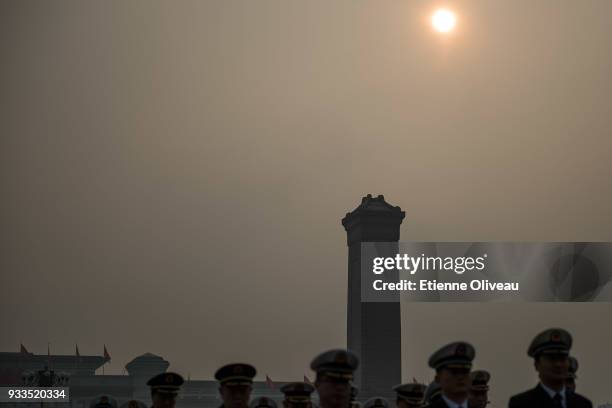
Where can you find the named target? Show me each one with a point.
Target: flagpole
(78, 356)
(269, 382)
(107, 358)
(49, 355)
(21, 355)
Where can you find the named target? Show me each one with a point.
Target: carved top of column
(374, 220)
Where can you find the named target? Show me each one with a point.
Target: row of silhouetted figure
(456, 385)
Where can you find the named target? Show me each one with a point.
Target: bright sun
(443, 20)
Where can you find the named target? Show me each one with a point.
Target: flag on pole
(49, 355)
(22, 349)
(78, 355)
(307, 381)
(269, 382)
(107, 356)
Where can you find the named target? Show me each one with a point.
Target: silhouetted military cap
(134, 404)
(411, 392)
(337, 363)
(103, 401)
(262, 402)
(479, 380)
(297, 391)
(166, 383)
(236, 374)
(551, 341)
(376, 402)
(573, 367)
(453, 355)
(433, 392)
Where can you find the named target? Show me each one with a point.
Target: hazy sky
(173, 174)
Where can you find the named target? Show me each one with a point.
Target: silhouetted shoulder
(537, 397)
(525, 399)
(576, 400)
(438, 404)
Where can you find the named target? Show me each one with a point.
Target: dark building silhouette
(13, 365)
(85, 385)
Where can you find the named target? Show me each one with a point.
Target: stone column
(373, 329)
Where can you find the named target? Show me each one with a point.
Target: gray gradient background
(173, 174)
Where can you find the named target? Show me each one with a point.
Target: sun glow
(443, 20)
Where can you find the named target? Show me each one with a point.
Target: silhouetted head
(235, 384)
